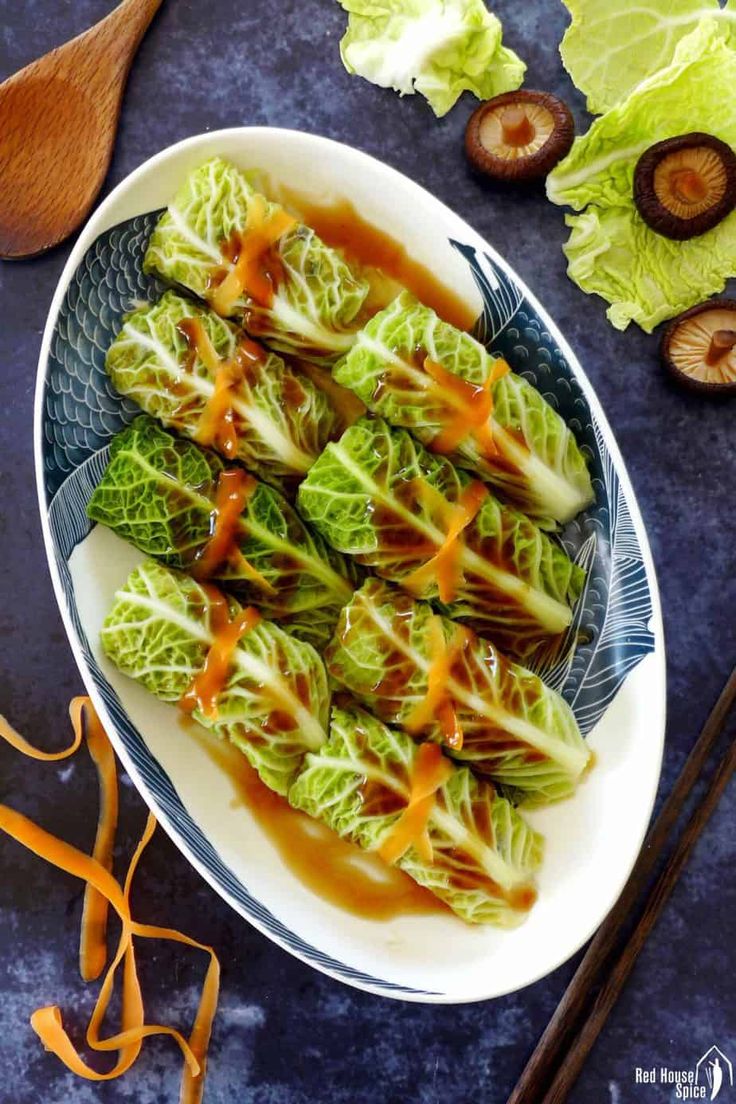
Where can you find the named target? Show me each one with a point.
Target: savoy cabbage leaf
(534, 460)
(317, 297)
(159, 492)
(484, 854)
(439, 48)
(378, 495)
(275, 702)
(280, 418)
(514, 728)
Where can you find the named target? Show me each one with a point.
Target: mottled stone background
(284, 1033)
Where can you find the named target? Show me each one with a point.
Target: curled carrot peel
(445, 566)
(93, 935)
(430, 771)
(102, 891)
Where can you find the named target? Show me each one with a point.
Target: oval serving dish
(615, 681)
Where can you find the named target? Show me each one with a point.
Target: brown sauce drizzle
(340, 226)
(234, 488)
(216, 425)
(208, 684)
(356, 881)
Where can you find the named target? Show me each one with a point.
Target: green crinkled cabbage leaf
(318, 297)
(364, 495)
(439, 48)
(539, 466)
(158, 492)
(275, 703)
(282, 419)
(643, 275)
(515, 729)
(484, 852)
(646, 277)
(611, 46)
(694, 92)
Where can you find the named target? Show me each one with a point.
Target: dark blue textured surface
(286, 1035)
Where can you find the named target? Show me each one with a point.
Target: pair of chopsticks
(568, 1039)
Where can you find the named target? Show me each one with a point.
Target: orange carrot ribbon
(234, 488)
(251, 273)
(430, 771)
(445, 567)
(471, 408)
(208, 684)
(437, 704)
(102, 890)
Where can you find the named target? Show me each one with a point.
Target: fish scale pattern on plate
(83, 410)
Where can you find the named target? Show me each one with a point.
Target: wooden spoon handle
(131, 18)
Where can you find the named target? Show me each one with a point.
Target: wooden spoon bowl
(58, 120)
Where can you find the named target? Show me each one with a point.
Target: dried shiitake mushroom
(519, 135)
(699, 347)
(685, 185)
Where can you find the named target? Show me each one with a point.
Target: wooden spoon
(58, 119)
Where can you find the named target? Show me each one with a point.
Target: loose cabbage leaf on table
(644, 276)
(378, 495)
(533, 459)
(484, 854)
(439, 48)
(275, 702)
(514, 728)
(315, 297)
(280, 419)
(611, 46)
(159, 492)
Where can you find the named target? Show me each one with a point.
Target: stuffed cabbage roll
(179, 503)
(203, 377)
(235, 673)
(253, 261)
(447, 829)
(422, 373)
(440, 681)
(378, 495)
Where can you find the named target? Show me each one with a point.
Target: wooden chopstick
(614, 983)
(567, 1019)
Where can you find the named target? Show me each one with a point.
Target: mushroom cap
(519, 135)
(699, 347)
(686, 185)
